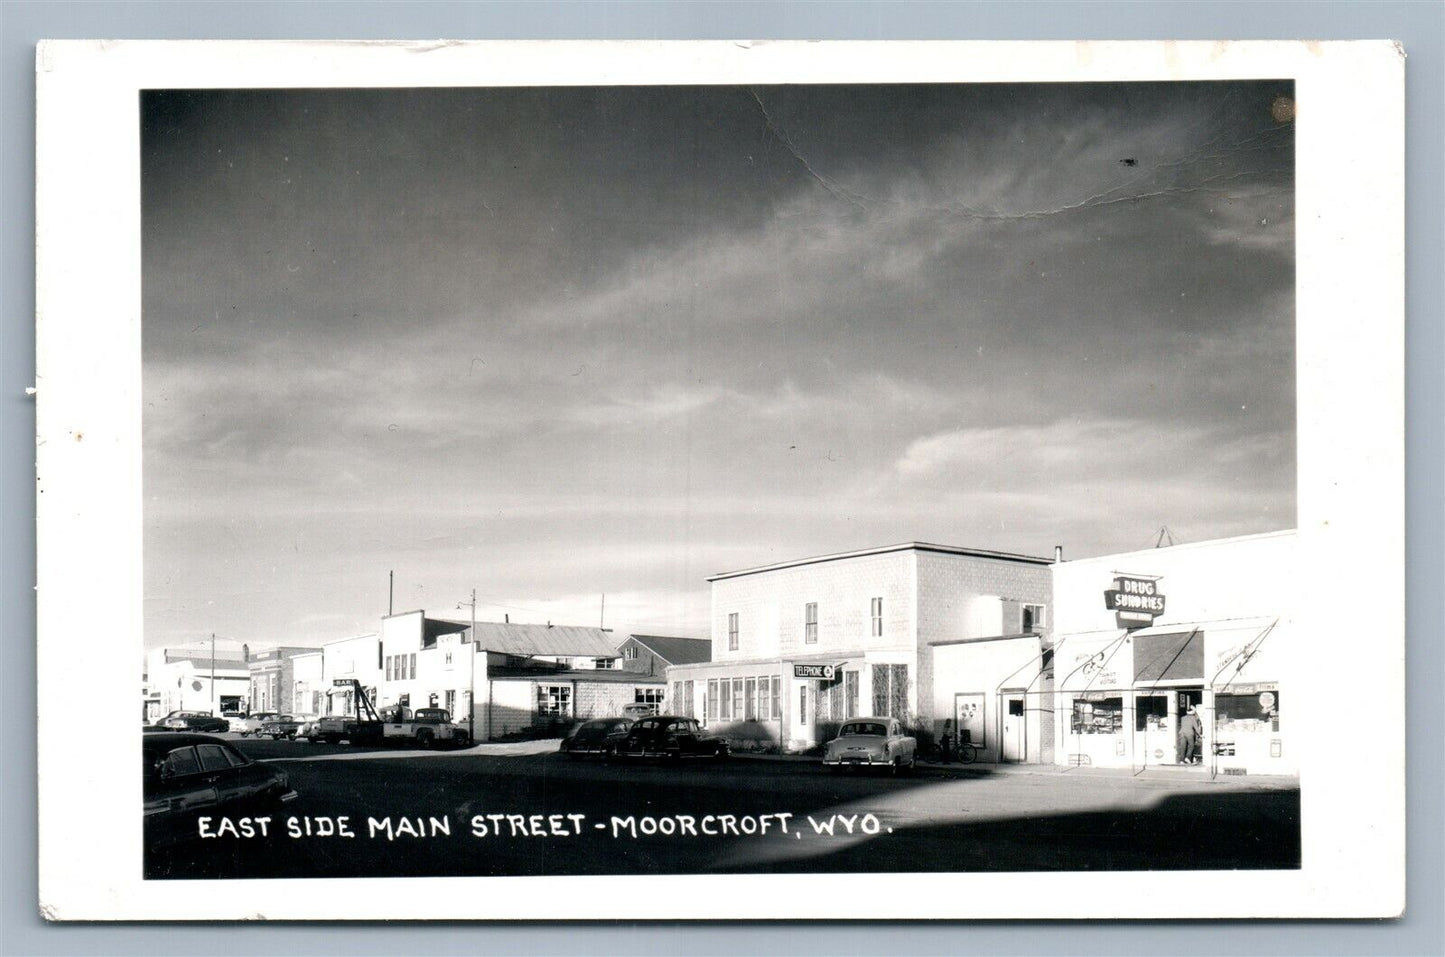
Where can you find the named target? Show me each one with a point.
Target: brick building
(799, 646)
(273, 678)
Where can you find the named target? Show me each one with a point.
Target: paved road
(476, 813)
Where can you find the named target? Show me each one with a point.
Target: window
(711, 702)
(630, 652)
(554, 701)
(750, 699)
(777, 698)
(810, 623)
(802, 704)
(1151, 712)
(877, 614)
(737, 699)
(1033, 617)
(733, 632)
(213, 757)
(652, 696)
(725, 699)
(890, 691)
(850, 694)
(182, 761)
(448, 659)
(451, 704)
(1103, 716)
(411, 671)
(388, 667)
(1255, 711)
(607, 664)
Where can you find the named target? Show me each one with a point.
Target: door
(1012, 737)
(1185, 700)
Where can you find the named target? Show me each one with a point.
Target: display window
(1103, 715)
(1256, 710)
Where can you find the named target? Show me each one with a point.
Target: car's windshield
(864, 727)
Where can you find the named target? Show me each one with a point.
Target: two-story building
(273, 678)
(506, 677)
(196, 677)
(799, 646)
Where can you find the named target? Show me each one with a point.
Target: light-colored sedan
(251, 724)
(871, 743)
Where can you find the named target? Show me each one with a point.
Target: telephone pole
(215, 701)
(472, 679)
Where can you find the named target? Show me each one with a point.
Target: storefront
(999, 694)
(1192, 664)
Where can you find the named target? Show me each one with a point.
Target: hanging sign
(1135, 602)
(819, 672)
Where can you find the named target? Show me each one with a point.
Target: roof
(883, 550)
(528, 640)
(677, 651)
(204, 664)
(600, 676)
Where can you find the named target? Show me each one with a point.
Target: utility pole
(602, 615)
(390, 593)
(215, 701)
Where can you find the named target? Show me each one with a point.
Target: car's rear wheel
(424, 737)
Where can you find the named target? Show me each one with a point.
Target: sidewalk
(1161, 773)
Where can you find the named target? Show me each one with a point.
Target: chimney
(1058, 553)
(507, 618)
(245, 652)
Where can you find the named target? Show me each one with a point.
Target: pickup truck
(424, 726)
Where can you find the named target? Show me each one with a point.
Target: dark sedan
(280, 726)
(667, 736)
(600, 736)
(191, 776)
(195, 721)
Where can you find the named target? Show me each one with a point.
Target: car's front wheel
(424, 737)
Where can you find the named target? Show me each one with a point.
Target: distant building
(187, 678)
(357, 658)
(653, 654)
(507, 678)
(273, 678)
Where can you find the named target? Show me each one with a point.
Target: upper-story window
(1033, 617)
(810, 623)
(630, 652)
(877, 615)
(733, 632)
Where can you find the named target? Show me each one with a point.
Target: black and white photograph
(870, 477)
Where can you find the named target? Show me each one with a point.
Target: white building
(1212, 629)
(188, 678)
(345, 660)
(801, 645)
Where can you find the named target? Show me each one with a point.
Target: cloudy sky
(556, 343)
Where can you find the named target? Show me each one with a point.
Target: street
(522, 810)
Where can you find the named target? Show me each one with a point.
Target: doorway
(1181, 700)
(1013, 735)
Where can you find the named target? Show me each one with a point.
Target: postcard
(703, 480)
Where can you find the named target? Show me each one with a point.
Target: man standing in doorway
(1191, 732)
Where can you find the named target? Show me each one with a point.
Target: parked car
(871, 742)
(669, 736)
(251, 724)
(280, 726)
(638, 709)
(187, 776)
(307, 727)
(195, 721)
(599, 736)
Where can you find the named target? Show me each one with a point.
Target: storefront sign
(819, 672)
(1136, 602)
(341, 682)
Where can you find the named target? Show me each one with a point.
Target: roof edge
(886, 549)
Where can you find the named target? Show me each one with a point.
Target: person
(1191, 732)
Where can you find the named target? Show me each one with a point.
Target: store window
(750, 699)
(777, 698)
(890, 691)
(877, 614)
(802, 704)
(1098, 716)
(554, 701)
(451, 704)
(733, 632)
(711, 702)
(850, 694)
(810, 623)
(1151, 712)
(738, 699)
(725, 699)
(1247, 712)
